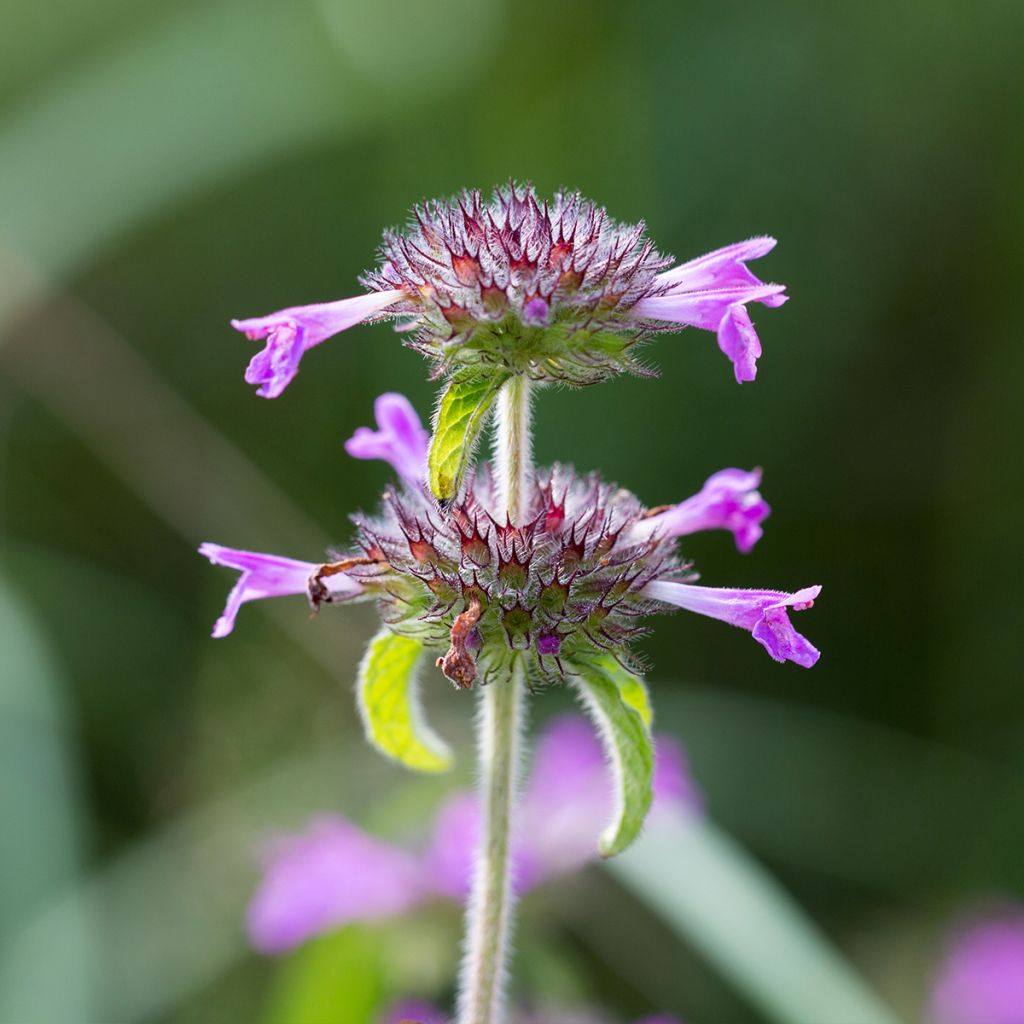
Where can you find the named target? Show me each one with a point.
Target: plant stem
(489, 912)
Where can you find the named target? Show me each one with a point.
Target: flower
(268, 576)
(399, 440)
(289, 332)
(729, 500)
(553, 290)
(761, 612)
(711, 292)
(981, 979)
(334, 873)
(574, 580)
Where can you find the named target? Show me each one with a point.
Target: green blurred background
(166, 166)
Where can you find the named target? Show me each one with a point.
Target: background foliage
(166, 166)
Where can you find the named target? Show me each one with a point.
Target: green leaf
(617, 701)
(335, 979)
(388, 697)
(457, 424)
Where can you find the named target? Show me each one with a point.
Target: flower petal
(762, 612)
(267, 576)
(327, 876)
(722, 268)
(739, 341)
(290, 332)
(399, 440)
(729, 500)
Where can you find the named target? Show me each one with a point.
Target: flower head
(981, 980)
(555, 290)
(588, 563)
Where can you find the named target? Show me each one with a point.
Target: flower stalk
(490, 907)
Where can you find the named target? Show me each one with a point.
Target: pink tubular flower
(289, 332)
(400, 439)
(981, 980)
(761, 612)
(712, 292)
(335, 873)
(729, 500)
(267, 576)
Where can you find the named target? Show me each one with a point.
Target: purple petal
(722, 268)
(705, 309)
(981, 980)
(729, 500)
(267, 576)
(449, 858)
(290, 332)
(739, 341)
(331, 874)
(400, 439)
(762, 612)
(537, 312)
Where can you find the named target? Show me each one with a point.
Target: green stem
(489, 913)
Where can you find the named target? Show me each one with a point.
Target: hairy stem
(489, 913)
(512, 454)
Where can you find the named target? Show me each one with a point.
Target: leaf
(388, 698)
(719, 899)
(460, 417)
(617, 701)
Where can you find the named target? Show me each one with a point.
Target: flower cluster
(555, 291)
(589, 562)
(981, 979)
(333, 873)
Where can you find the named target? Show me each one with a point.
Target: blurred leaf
(610, 694)
(457, 424)
(40, 840)
(336, 979)
(388, 696)
(718, 898)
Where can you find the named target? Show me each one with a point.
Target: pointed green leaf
(388, 697)
(617, 701)
(457, 424)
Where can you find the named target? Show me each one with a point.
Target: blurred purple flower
(729, 500)
(416, 1011)
(712, 292)
(334, 873)
(399, 439)
(290, 332)
(981, 980)
(761, 612)
(268, 576)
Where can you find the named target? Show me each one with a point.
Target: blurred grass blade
(389, 705)
(719, 899)
(45, 974)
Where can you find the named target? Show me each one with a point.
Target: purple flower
(712, 292)
(729, 500)
(413, 1011)
(554, 287)
(981, 980)
(268, 576)
(289, 332)
(400, 439)
(762, 612)
(334, 873)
